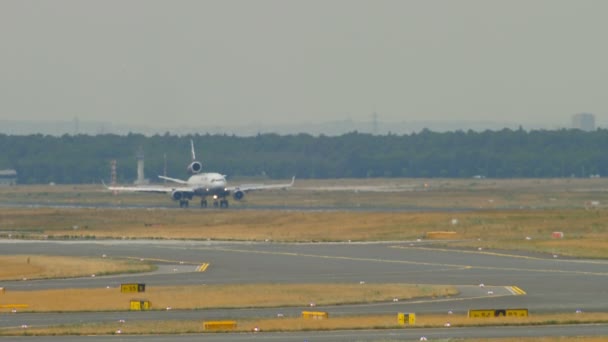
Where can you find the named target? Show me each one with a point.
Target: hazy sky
(251, 61)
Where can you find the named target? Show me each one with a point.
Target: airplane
(202, 184)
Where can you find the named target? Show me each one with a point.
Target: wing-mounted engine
(238, 195)
(177, 195)
(195, 167)
(181, 195)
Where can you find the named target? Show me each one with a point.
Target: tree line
(73, 159)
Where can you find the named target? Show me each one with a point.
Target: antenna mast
(113, 174)
(165, 167)
(375, 123)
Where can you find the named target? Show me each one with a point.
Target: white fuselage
(207, 181)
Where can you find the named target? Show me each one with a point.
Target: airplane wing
(253, 187)
(174, 180)
(153, 189)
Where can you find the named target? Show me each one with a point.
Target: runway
(236, 208)
(351, 335)
(551, 283)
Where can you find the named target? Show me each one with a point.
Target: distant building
(141, 180)
(8, 177)
(584, 121)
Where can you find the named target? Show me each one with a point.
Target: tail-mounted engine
(195, 167)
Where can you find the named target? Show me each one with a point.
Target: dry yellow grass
(505, 227)
(221, 296)
(16, 267)
(333, 323)
(390, 321)
(413, 192)
(586, 232)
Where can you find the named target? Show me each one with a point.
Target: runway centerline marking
(247, 251)
(593, 262)
(506, 255)
(405, 262)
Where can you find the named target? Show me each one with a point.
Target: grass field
(332, 323)
(585, 231)
(499, 214)
(220, 296)
(18, 267)
(355, 193)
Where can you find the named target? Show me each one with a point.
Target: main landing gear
(222, 203)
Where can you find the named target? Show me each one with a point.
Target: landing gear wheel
(224, 203)
(203, 203)
(183, 204)
(215, 204)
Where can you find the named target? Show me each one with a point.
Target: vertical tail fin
(192, 150)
